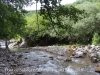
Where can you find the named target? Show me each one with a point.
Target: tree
(31, 31)
(54, 12)
(96, 39)
(12, 20)
(56, 15)
(37, 14)
(89, 24)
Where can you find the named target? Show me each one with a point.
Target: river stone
(51, 58)
(59, 58)
(44, 56)
(98, 53)
(92, 55)
(84, 52)
(19, 73)
(80, 54)
(74, 53)
(20, 56)
(74, 56)
(2, 70)
(13, 55)
(26, 51)
(97, 69)
(2, 74)
(0, 60)
(26, 58)
(77, 54)
(39, 72)
(67, 59)
(94, 60)
(35, 60)
(14, 65)
(30, 64)
(2, 65)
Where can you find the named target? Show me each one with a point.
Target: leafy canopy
(12, 19)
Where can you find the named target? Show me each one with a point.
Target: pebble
(77, 54)
(19, 73)
(2, 65)
(2, 70)
(26, 58)
(30, 64)
(67, 59)
(97, 69)
(35, 60)
(20, 56)
(94, 60)
(26, 51)
(14, 65)
(2, 74)
(39, 72)
(51, 58)
(13, 55)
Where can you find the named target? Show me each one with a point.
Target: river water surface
(40, 62)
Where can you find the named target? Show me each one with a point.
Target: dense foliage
(67, 24)
(12, 19)
(96, 39)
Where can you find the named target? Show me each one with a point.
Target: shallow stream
(39, 62)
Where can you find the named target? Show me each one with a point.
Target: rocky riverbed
(50, 60)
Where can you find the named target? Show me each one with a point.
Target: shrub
(96, 39)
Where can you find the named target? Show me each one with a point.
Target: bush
(96, 39)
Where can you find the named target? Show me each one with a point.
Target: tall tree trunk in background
(37, 15)
(6, 43)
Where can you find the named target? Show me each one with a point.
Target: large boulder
(97, 68)
(20, 44)
(23, 43)
(78, 54)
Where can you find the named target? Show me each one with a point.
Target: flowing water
(44, 63)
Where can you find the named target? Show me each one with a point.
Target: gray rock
(2, 70)
(19, 73)
(25, 58)
(67, 59)
(94, 60)
(14, 65)
(20, 56)
(2, 65)
(2, 74)
(97, 69)
(78, 54)
(51, 58)
(92, 55)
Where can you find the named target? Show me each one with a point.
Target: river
(39, 61)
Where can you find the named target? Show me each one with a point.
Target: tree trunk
(6, 43)
(37, 15)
